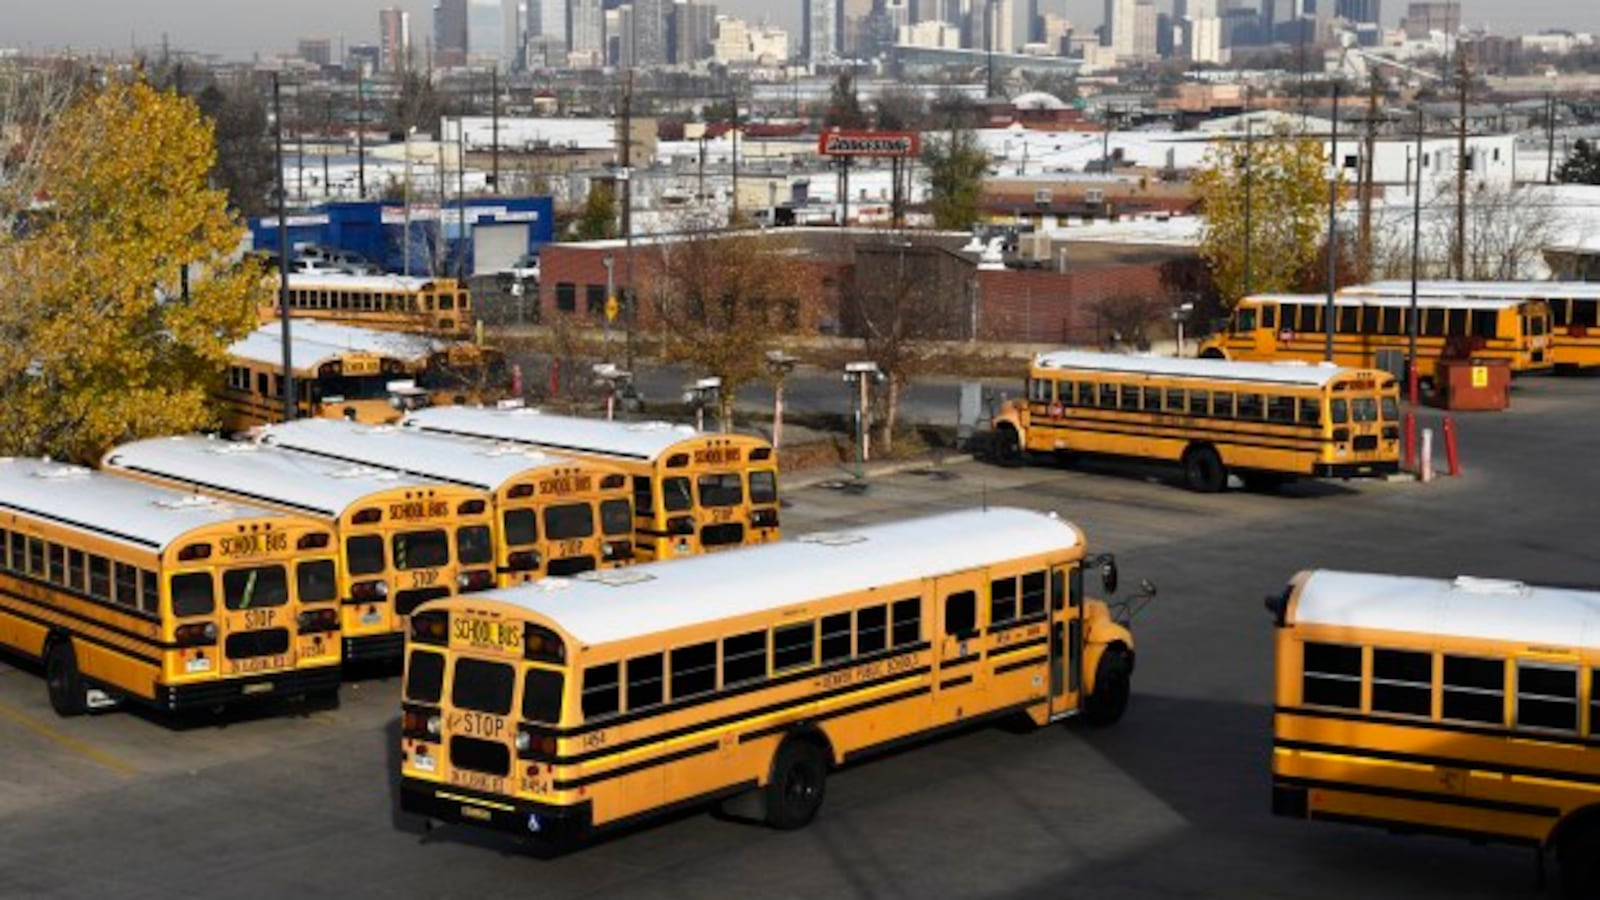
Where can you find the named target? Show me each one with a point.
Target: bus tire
(1113, 685)
(796, 785)
(1578, 855)
(1213, 353)
(63, 681)
(1007, 447)
(1203, 470)
(1263, 482)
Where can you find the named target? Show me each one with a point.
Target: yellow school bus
(436, 306)
(131, 592)
(568, 706)
(1370, 328)
(1466, 707)
(692, 491)
(358, 374)
(553, 515)
(401, 539)
(1574, 309)
(1267, 422)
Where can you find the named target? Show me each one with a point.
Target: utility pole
(1369, 148)
(1329, 311)
(494, 113)
(733, 97)
(628, 311)
(1550, 139)
(1416, 248)
(1249, 204)
(327, 135)
(361, 137)
(283, 254)
(1461, 163)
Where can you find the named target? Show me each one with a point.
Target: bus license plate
(470, 633)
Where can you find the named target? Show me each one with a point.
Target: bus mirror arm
(1124, 612)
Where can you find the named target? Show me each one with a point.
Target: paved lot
(1170, 802)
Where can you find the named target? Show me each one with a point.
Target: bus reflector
(195, 634)
(542, 644)
(470, 508)
(314, 541)
(430, 627)
(366, 516)
(613, 481)
(194, 551)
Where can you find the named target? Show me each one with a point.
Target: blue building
(498, 231)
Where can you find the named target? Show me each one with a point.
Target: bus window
(315, 581)
(1391, 409)
(601, 691)
(1280, 409)
(1482, 323)
(522, 527)
(719, 489)
(960, 614)
(1002, 601)
(1222, 405)
(1474, 689)
(1456, 322)
(482, 686)
(1547, 697)
(99, 572)
(616, 517)
(872, 630)
(1341, 410)
(58, 564)
(1130, 397)
(744, 658)
(835, 638)
(1402, 682)
(675, 494)
(644, 681)
(1311, 410)
(1244, 320)
(1349, 319)
(1433, 322)
(1332, 676)
(1152, 399)
(425, 677)
(421, 550)
(1039, 390)
(1269, 318)
(1032, 594)
(1175, 400)
(1364, 409)
(255, 587)
(906, 616)
(473, 545)
(191, 594)
(643, 501)
(694, 670)
(1108, 396)
(764, 487)
(1250, 406)
(1586, 313)
(364, 554)
(1085, 393)
(541, 696)
(794, 646)
(127, 585)
(1199, 403)
(569, 521)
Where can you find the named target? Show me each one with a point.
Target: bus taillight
(764, 518)
(680, 525)
(369, 590)
(617, 550)
(476, 580)
(420, 723)
(195, 634)
(535, 746)
(523, 560)
(311, 621)
(430, 627)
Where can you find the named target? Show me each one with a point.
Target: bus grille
(570, 565)
(406, 601)
(245, 644)
(480, 756)
(1366, 442)
(722, 535)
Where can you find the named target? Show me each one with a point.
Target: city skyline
(270, 29)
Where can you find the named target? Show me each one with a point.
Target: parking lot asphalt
(1171, 802)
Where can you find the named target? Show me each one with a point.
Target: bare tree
(1134, 320)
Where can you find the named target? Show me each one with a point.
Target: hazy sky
(238, 28)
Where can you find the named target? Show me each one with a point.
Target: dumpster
(1473, 384)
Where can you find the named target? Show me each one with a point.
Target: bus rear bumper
(374, 648)
(1290, 801)
(453, 805)
(212, 694)
(1356, 470)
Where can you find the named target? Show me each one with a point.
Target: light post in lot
(615, 381)
(861, 376)
(701, 394)
(780, 364)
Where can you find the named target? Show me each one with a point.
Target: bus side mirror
(1108, 571)
(1278, 605)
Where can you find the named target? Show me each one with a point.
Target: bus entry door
(1066, 639)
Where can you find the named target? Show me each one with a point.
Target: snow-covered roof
(312, 343)
(1211, 369)
(524, 425)
(1353, 297)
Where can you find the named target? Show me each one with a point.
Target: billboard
(870, 143)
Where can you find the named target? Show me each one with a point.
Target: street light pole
(1328, 313)
(1416, 245)
(283, 254)
(611, 293)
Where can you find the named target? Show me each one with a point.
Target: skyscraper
(394, 39)
(1117, 32)
(450, 33)
(587, 21)
(820, 30)
(650, 32)
(494, 30)
(691, 30)
(1360, 10)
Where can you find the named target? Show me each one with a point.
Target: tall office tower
(855, 28)
(394, 39)
(1145, 27)
(1117, 31)
(691, 27)
(315, 50)
(625, 51)
(650, 32)
(548, 21)
(494, 32)
(819, 30)
(1422, 19)
(995, 27)
(1360, 10)
(450, 33)
(587, 30)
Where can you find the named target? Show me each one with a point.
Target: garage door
(496, 247)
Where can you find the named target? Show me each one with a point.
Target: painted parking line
(67, 741)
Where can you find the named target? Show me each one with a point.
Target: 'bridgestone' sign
(869, 143)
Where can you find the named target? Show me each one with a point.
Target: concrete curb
(814, 477)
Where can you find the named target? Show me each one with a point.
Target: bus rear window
(472, 545)
(425, 676)
(1364, 409)
(1391, 409)
(482, 686)
(421, 549)
(764, 487)
(364, 554)
(568, 522)
(675, 494)
(541, 696)
(721, 489)
(255, 587)
(316, 581)
(192, 594)
(522, 527)
(616, 517)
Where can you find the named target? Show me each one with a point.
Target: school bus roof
(312, 343)
(120, 509)
(524, 425)
(1502, 290)
(1490, 609)
(1214, 369)
(338, 281)
(322, 487)
(1351, 297)
(424, 454)
(602, 607)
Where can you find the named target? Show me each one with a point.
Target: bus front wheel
(1007, 447)
(62, 679)
(1578, 854)
(1212, 353)
(1113, 684)
(1203, 470)
(796, 786)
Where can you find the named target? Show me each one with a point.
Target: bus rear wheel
(795, 789)
(1578, 854)
(63, 681)
(1203, 470)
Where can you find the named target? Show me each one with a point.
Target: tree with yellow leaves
(1285, 178)
(106, 339)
